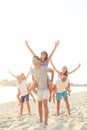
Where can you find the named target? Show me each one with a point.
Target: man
(40, 77)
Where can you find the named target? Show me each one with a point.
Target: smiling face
(64, 77)
(19, 78)
(44, 55)
(36, 61)
(23, 76)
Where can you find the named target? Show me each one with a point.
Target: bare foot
(53, 100)
(49, 99)
(41, 120)
(45, 123)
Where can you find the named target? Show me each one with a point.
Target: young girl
(60, 91)
(44, 60)
(23, 91)
(64, 71)
(19, 80)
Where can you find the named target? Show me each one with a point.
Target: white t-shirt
(23, 88)
(61, 85)
(40, 75)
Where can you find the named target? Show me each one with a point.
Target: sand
(10, 119)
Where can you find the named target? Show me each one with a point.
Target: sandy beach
(10, 119)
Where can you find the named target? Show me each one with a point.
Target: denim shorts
(26, 97)
(60, 95)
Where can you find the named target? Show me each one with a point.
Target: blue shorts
(26, 97)
(60, 95)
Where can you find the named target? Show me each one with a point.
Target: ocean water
(8, 94)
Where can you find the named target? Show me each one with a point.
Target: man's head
(36, 60)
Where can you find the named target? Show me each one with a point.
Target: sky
(42, 23)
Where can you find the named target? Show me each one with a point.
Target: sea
(8, 93)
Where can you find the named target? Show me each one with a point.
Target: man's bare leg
(45, 103)
(40, 110)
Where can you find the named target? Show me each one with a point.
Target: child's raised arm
(54, 67)
(12, 74)
(32, 52)
(51, 54)
(74, 69)
(28, 73)
(29, 90)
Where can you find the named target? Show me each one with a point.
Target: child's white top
(23, 88)
(61, 86)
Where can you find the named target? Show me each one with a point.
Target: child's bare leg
(58, 107)
(53, 94)
(18, 97)
(35, 90)
(53, 99)
(28, 107)
(69, 93)
(67, 105)
(50, 88)
(21, 107)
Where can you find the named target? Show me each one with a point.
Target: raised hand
(79, 65)
(57, 43)
(26, 42)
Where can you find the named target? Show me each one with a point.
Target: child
(25, 91)
(19, 80)
(64, 71)
(60, 91)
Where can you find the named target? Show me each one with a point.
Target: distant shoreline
(85, 85)
(6, 82)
